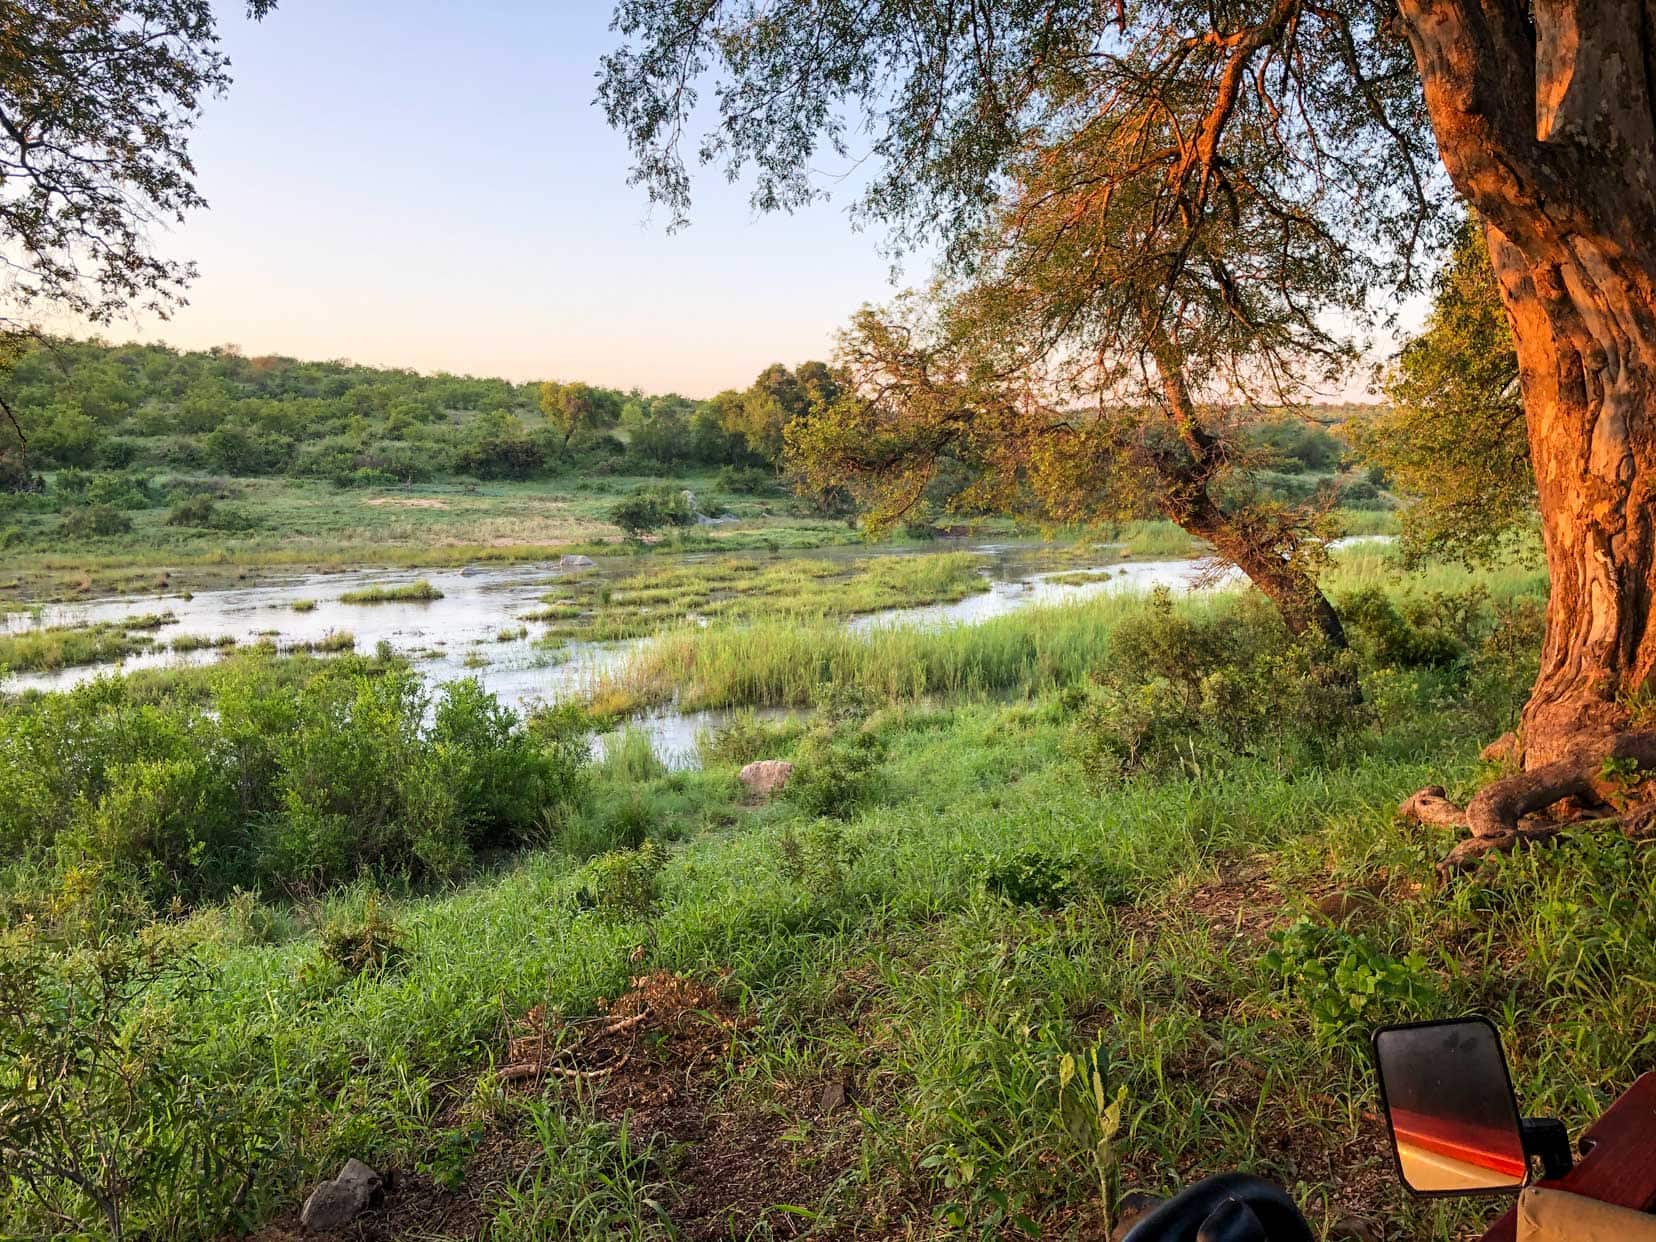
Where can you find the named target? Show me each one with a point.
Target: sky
(428, 184)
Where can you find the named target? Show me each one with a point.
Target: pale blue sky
(427, 184)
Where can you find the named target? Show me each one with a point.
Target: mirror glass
(1449, 1104)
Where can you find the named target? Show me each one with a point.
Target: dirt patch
(660, 1056)
(646, 1048)
(416, 1207)
(405, 502)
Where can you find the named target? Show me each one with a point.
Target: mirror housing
(1450, 1109)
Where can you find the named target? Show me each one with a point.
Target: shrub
(651, 508)
(367, 942)
(202, 512)
(819, 858)
(622, 882)
(834, 773)
(94, 521)
(270, 779)
(1177, 690)
(747, 480)
(1431, 630)
(1047, 879)
(101, 1118)
(120, 491)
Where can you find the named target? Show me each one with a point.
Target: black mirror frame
(1385, 1106)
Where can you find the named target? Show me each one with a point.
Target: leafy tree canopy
(1455, 437)
(97, 100)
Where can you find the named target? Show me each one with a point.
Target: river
(476, 628)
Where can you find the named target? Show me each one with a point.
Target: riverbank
(853, 1001)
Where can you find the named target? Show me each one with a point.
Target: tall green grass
(786, 663)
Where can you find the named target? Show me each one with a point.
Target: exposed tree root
(1507, 812)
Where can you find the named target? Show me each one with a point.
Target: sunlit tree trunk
(1186, 499)
(1545, 124)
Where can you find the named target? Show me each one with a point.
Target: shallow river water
(473, 630)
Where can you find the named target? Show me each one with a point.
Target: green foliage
(819, 858)
(1092, 1118)
(102, 1117)
(623, 883)
(1049, 879)
(747, 480)
(95, 521)
(1032, 877)
(1293, 445)
(368, 941)
(201, 511)
(1178, 691)
(651, 508)
(1431, 629)
(297, 784)
(1454, 437)
(1348, 984)
(835, 770)
(451, 1151)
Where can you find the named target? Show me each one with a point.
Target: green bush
(368, 942)
(270, 780)
(834, 772)
(819, 858)
(202, 512)
(623, 882)
(651, 508)
(1032, 877)
(100, 1114)
(95, 521)
(747, 480)
(1430, 630)
(1179, 690)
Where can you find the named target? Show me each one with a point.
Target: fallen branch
(525, 1070)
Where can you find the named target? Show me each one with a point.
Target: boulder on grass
(335, 1204)
(766, 777)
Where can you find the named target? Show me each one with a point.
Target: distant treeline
(90, 405)
(142, 409)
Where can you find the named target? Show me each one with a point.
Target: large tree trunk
(1546, 126)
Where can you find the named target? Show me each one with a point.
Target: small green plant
(819, 858)
(1347, 983)
(623, 882)
(1032, 877)
(451, 1151)
(303, 605)
(1091, 1117)
(367, 943)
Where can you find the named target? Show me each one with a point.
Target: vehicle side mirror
(1448, 1100)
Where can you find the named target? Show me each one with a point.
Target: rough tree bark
(1544, 118)
(1187, 501)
